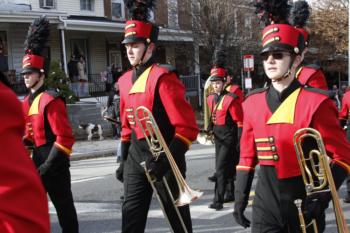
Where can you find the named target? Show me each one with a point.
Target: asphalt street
(97, 198)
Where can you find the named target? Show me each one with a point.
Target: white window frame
(46, 6)
(121, 2)
(84, 2)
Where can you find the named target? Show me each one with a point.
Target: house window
(87, 5)
(47, 4)
(118, 9)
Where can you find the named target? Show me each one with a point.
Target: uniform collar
(32, 96)
(141, 68)
(281, 96)
(275, 98)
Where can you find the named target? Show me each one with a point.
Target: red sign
(248, 62)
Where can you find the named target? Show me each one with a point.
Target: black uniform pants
(138, 194)
(274, 210)
(224, 164)
(57, 184)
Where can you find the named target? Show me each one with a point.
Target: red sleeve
(180, 113)
(318, 80)
(248, 159)
(126, 130)
(343, 114)
(240, 94)
(236, 112)
(23, 202)
(325, 120)
(58, 119)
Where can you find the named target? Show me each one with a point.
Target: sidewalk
(95, 148)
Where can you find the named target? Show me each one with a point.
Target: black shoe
(347, 199)
(122, 197)
(216, 206)
(212, 178)
(229, 198)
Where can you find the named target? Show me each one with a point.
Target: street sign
(248, 83)
(248, 62)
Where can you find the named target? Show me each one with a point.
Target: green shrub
(57, 79)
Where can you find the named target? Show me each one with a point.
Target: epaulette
(313, 66)
(233, 95)
(169, 67)
(317, 90)
(256, 91)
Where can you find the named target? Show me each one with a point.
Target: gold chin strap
(283, 77)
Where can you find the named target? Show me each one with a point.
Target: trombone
(157, 146)
(206, 137)
(317, 176)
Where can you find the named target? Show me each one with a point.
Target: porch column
(63, 50)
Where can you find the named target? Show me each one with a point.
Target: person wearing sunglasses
(272, 115)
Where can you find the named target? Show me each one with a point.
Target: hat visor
(216, 78)
(133, 39)
(30, 70)
(276, 47)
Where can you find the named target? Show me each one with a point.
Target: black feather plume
(37, 36)
(140, 9)
(300, 13)
(219, 58)
(276, 11)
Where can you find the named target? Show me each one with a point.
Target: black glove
(244, 180)
(124, 150)
(316, 204)
(54, 161)
(119, 172)
(160, 167)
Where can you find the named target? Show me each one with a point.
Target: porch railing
(97, 87)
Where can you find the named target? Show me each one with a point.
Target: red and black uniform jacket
(47, 124)
(235, 89)
(23, 202)
(267, 137)
(312, 76)
(158, 88)
(226, 114)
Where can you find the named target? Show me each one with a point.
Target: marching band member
(271, 117)
(158, 88)
(23, 203)
(48, 129)
(226, 118)
(311, 74)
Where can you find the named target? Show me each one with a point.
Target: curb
(93, 155)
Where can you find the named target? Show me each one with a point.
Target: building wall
(161, 13)
(71, 7)
(185, 17)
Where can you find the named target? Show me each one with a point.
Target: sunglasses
(275, 55)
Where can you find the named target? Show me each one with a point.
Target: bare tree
(329, 27)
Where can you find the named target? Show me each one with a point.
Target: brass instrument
(317, 176)
(157, 146)
(205, 137)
